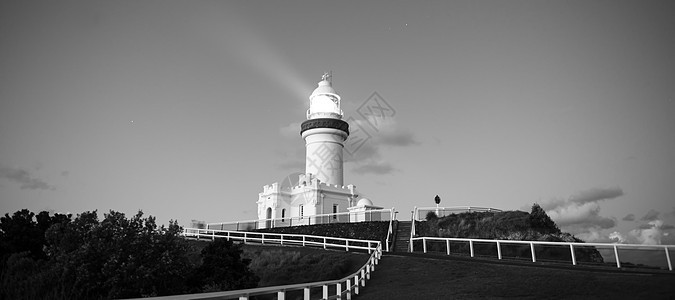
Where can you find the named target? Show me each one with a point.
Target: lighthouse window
(283, 214)
(302, 213)
(335, 211)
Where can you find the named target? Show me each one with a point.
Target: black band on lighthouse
(324, 123)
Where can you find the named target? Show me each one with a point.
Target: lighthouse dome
(364, 202)
(324, 102)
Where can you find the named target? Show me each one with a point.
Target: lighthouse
(320, 194)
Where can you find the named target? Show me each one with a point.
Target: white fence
(388, 214)
(344, 287)
(574, 248)
(649, 254)
(344, 217)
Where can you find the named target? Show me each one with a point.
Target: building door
(269, 218)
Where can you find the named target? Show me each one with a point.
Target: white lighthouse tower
(320, 190)
(324, 133)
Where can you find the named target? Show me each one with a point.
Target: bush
(508, 225)
(222, 269)
(57, 257)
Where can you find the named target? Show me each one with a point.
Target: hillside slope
(507, 225)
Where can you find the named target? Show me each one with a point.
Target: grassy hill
(507, 225)
(376, 230)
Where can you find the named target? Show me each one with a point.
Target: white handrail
(304, 220)
(353, 281)
(499, 244)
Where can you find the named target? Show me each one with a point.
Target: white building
(321, 189)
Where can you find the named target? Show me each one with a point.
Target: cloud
(648, 236)
(291, 130)
(652, 233)
(364, 146)
(629, 217)
(650, 216)
(24, 178)
(596, 194)
(375, 168)
(580, 213)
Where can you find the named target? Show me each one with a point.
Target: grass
(290, 265)
(402, 277)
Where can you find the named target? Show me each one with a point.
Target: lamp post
(438, 201)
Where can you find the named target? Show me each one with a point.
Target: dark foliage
(541, 222)
(508, 225)
(57, 257)
(431, 216)
(222, 269)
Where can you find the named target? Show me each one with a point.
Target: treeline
(57, 256)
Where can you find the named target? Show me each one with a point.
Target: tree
(431, 216)
(541, 222)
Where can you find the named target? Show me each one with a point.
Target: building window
(335, 211)
(283, 214)
(302, 212)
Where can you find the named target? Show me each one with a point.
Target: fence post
(574, 257)
(306, 293)
(282, 239)
(447, 246)
(338, 290)
(281, 295)
(324, 243)
(228, 236)
(534, 256)
(670, 265)
(363, 277)
(244, 237)
(424, 244)
(471, 247)
(213, 235)
(499, 251)
(356, 284)
(349, 289)
(262, 240)
(616, 255)
(303, 240)
(325, 291)
(347, 245)
(368, 271)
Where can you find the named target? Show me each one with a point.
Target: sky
(185, 109)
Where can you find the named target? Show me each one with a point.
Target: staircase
(402, 236)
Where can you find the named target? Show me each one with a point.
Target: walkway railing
(388, 214)
(574, 248)
(344, 217)
(420, 214)
(344, 287)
